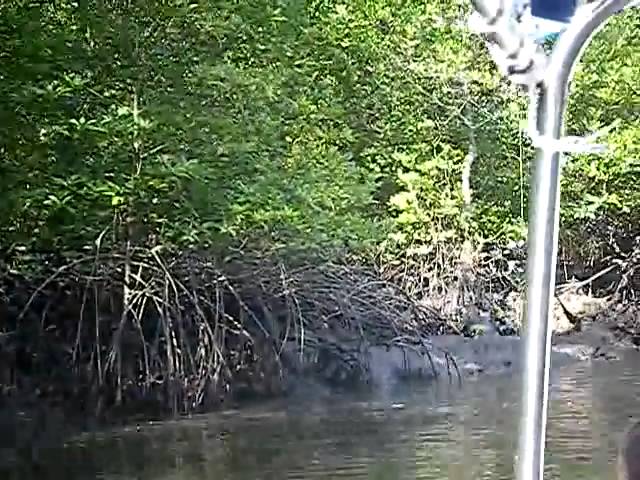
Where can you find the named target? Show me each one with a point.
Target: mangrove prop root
(135, 329)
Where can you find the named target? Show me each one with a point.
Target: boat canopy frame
(514, 32)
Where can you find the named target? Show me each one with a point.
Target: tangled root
(138, 330)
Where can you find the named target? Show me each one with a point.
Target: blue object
(556, 10)
(541, 30)
(548, 31)
(550, 37)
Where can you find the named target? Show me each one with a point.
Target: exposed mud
(136, 336)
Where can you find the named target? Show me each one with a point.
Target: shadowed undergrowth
(185, 333)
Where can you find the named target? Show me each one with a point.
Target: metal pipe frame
(508, 40)
(543, 235)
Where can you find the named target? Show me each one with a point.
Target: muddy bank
(97, 340)
(458, 358)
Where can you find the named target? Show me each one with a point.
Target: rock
(573, 351)
(581, 305)
(472, 368)
(569, 309)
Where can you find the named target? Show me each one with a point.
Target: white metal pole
(553, 90)
(543, 236)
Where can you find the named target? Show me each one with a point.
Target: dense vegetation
(132, 130)
(317, 124)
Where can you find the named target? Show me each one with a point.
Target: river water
(436, 432)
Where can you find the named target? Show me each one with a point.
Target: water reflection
(448, 432)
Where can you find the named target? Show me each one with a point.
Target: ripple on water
(445, 432)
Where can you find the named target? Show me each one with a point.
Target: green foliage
(309, 124)
(185, 123)
(606, 94)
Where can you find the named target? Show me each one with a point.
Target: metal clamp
(527, 65)
(518, 58)
(568, 143)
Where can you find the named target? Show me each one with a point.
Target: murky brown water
(466, 432)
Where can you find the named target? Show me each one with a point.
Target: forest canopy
(319, 125)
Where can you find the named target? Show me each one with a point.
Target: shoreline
(259, 354)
